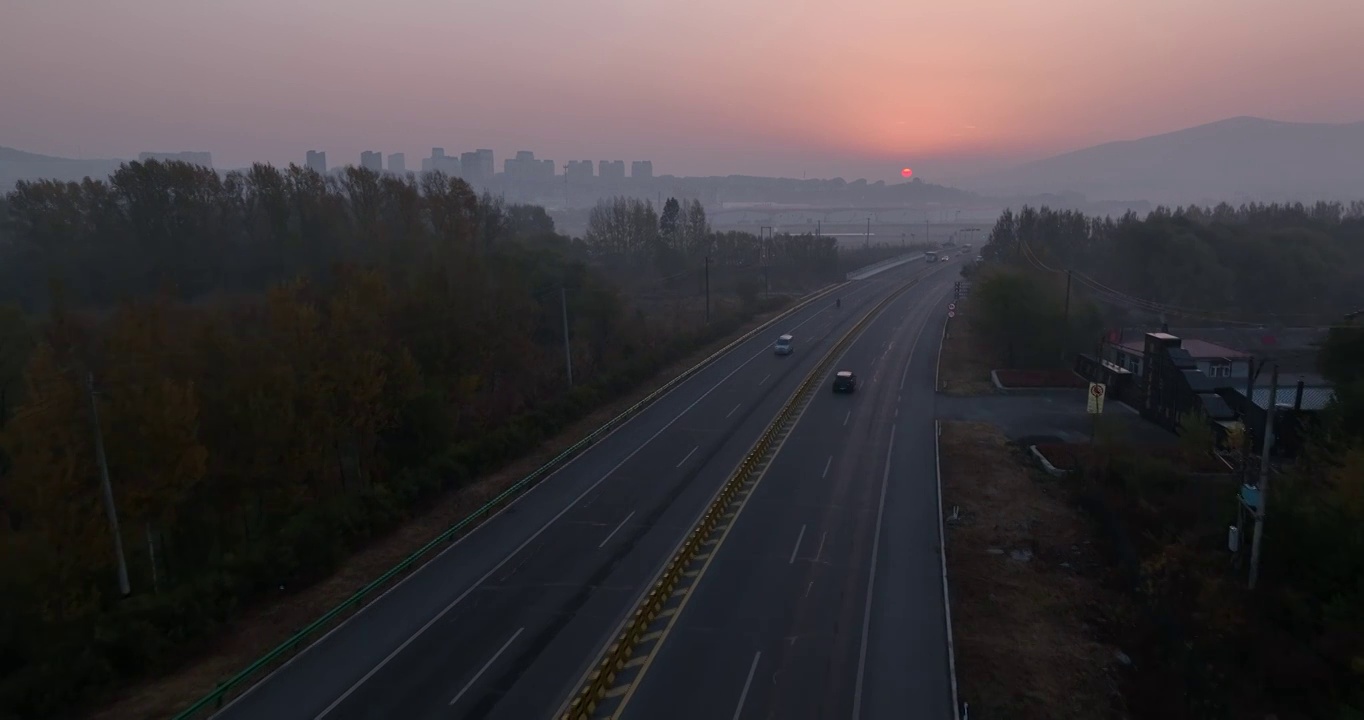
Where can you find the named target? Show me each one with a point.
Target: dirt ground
(1026, 584)
(968, 371)
(267, 624)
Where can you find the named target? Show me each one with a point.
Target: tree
(668, 221)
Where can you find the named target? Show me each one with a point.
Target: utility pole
(708, 289)
(109, 507)
(568, 348)
(1067, 298)
(1264, 476)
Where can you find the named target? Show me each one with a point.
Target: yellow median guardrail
(593, 690)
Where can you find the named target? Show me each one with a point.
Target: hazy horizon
(759, 88)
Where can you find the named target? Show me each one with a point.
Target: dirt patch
(1039, 379)
(1072, 456)
(267, 624)
(964, 368)
(1027, 590)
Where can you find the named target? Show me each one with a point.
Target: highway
(825, 597)
(506, 621)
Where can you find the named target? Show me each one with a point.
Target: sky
(855, 88)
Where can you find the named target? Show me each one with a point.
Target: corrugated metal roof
(1313, 398)
(1216, 407)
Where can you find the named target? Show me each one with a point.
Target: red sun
(906, 172)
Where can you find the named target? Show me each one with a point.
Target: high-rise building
(317, 161)
(440, 162)
(193, 158)
(611, 169)
(397, 162)
(372, 160)
(578, 169)
(642, 169)
(525, 166)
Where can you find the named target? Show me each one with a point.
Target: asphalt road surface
(825, 600)
(506, 621)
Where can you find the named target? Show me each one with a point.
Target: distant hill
(1238, 159)
(18, 165)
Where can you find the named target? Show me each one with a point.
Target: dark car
(844, 381)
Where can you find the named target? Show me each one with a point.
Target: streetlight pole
(1270, 410)
(568, 348)
(109, 508)
(707, 289)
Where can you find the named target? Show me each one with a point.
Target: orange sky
(854, 88)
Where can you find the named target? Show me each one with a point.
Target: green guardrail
(593, 688)
(215, 699)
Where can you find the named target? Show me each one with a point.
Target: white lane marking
(765, 379)
(534, 536)
(618, 527)
(808, 587)
(846, 417)
(796, 549)
(871, 581)
(731, 412)
(820, 550)
(688, 457)
(744, 695)
(897, 412)
(485, 667)
(827, 463)
(942, 543)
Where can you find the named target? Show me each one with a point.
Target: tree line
(1272, 264)
(280, 366)
(1290, 264)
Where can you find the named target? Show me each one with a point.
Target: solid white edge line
(942, 544)
(607, 539)
(747, 684)
(684, 460)
(796, 549)
(937, 368)
(871, 582)
(485, 667)
(807, 303)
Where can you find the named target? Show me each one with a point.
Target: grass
(1051, 378)
(965, 365)
(266, 624)
(1070, 456)
(1025, 631)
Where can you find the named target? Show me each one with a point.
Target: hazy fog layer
(776, 87)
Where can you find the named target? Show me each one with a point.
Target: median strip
(606, 689)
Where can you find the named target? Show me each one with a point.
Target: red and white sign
(951, 306)
(1096, 398)
(951, 313)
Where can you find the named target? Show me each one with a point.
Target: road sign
(951, 313)
(951, 306)
(1096, 398)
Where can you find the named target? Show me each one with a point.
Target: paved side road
(505, 621)
(825, 599)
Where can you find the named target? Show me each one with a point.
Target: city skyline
(944, 88)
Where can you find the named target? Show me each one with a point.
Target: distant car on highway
(783, 346)
(845, 381)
